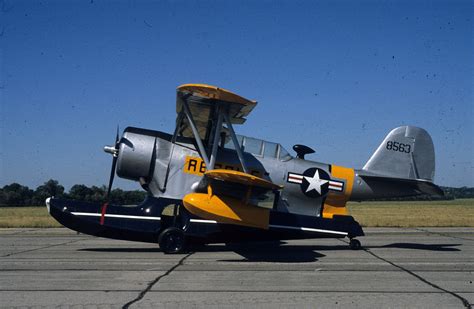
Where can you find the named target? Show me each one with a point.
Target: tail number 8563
(400, 147)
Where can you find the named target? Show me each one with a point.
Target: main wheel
(354, 244)
(172, 240)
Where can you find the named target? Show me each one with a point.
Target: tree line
(16, 194)
(19, 195)
(450, 193)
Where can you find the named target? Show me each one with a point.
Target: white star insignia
(315, 182)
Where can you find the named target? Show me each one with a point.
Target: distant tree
(48, 189)
(117, 196)
(79, 192)
(121, 197)
(97, 194)
(16, 195)
(133, 197)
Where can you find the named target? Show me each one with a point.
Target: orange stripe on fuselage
(335, 203)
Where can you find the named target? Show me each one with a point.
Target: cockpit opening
(260, 148)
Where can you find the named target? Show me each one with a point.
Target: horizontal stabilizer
(419, 185)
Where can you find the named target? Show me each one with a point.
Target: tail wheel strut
(354, 244)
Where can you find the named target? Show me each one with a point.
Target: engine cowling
(135, 156)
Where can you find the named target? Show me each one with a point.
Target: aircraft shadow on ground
(417, 246)
(276, 252)
(280, 252)
(126, 250)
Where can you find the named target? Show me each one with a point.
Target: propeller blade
(114, 163)
(112, 175)
(117, 138)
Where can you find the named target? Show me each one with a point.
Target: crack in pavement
(464, 301)
(157, 279)
(234, 291)
(45, 247)
(21, 232)
(443, 234)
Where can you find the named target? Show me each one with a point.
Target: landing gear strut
(354, 244)
(172, 240)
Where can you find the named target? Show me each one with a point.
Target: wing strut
(229, 108)
(223, 115)
(236, 142)
(217, 136)
(195, 131)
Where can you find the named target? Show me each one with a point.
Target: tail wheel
(354, 244)
(172, 240)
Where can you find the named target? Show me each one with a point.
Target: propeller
(114, 151)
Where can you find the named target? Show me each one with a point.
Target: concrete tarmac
(416, 268)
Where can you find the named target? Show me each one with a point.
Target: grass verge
(26, 217)
(453, 213)
(371, 214)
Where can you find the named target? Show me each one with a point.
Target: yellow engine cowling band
(335, 203)
(224, 209)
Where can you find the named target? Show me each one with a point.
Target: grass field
(388, 214)
(414, 214)
(26, 217)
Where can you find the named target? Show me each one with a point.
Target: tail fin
(407, 152)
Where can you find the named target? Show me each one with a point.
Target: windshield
(284, 154)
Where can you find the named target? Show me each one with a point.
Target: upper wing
(202, 99)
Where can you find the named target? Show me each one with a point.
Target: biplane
(206, 184)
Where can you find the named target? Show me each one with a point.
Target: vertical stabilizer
(407, 152)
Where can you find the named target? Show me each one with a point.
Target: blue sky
(335, 75)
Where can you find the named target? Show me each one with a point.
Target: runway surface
(423, 268)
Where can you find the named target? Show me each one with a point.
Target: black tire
(354, 244)
(172, 240)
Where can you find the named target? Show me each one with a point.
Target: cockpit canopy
(260, 148)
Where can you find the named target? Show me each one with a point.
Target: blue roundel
(315, 182)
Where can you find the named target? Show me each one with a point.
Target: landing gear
(172, 240)
(354, 244)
